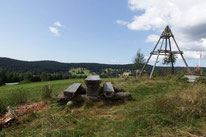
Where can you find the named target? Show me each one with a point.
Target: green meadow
(162, 106)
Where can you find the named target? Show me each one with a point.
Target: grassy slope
(138, 117)
(34, 89)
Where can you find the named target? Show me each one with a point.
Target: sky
(106, 31)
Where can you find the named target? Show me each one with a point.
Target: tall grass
(186, 106)
(2, 107)
(46, 92)
(15, 98)
(18, 97)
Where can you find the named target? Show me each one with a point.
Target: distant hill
(54, 66)
(38, 67)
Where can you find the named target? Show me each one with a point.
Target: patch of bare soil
(15, 113)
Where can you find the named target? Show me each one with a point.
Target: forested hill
(37, 67)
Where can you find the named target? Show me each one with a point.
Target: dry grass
(185, 106)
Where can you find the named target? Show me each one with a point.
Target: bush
(156, 73)
(46, 92)
(24, 82)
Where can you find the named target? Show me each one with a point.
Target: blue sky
(89, 30)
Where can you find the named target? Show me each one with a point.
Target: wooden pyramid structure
(165, 49)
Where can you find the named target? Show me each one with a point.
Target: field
(164, 106)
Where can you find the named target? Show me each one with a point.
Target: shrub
(156, 73)
(24, 82)
(46, 92)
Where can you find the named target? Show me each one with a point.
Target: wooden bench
(72, 90)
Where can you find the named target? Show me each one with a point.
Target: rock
(72, 112)
(61, 99)
(121, 96)
(93, 85)
(108, 90)
(69, 103)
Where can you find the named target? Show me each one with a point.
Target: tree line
(10, 77)
(26, 77)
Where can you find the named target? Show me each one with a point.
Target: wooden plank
(93, 78)
(163, 52)
(72, 90)
(108, 89)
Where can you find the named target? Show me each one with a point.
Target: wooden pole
(156, 60)
(181, 54)
(149, 58)
(165, 46)
(173, 70)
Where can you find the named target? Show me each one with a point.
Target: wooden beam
(156, 60)
(72, 90)
(167, 52)
(173, 70)
(149, 57)
(181, 55)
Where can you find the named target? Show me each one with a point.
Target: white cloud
(122, 22)
(152, 38)
(187, 19)
(58, 24)
(54, 30)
